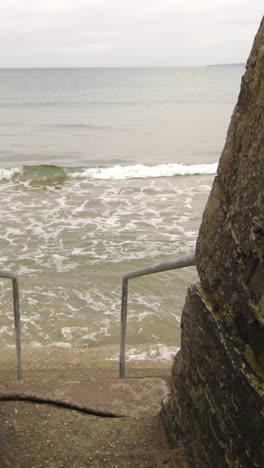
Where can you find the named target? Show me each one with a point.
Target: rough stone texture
(216, 402)
(230, 248)
(217, 393)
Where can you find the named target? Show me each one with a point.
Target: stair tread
(33, 434)
(120, 397)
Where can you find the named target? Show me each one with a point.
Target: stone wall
(216, 401)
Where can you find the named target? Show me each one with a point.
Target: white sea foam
(61, 344)
(6, 330)
(35, 344)
(159, 352)
(72, 232)
(7, 174)
(72, 245)
(140, 171)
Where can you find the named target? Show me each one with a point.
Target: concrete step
(44, 435)
(73, 411)
(103, 397)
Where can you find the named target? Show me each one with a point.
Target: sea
(104, 171)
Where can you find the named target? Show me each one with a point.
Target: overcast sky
(83, 33)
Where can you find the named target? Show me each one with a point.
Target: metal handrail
(13, 277)
(181, 262)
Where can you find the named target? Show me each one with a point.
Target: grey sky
(39, 33)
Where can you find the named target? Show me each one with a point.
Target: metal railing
(13, 277)
(181, 262)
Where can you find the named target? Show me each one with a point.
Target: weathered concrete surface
(217, 393)
(108, 397)
(38, 436)
(75, 429)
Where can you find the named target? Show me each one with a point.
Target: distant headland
(227, 65)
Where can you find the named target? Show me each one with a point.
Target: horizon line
(233, 64)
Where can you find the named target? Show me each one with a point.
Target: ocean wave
(8, 174)
(141, 171)
(36, 174)
(51, 174)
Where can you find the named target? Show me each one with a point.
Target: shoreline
(76, 363)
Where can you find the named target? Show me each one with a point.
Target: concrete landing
(34, 435)
(109, 423)
(73, 411)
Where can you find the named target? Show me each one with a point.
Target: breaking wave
(50, 174)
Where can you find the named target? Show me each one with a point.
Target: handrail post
(17, 328)
(13, 277)
(123, 327)
(181, 262)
